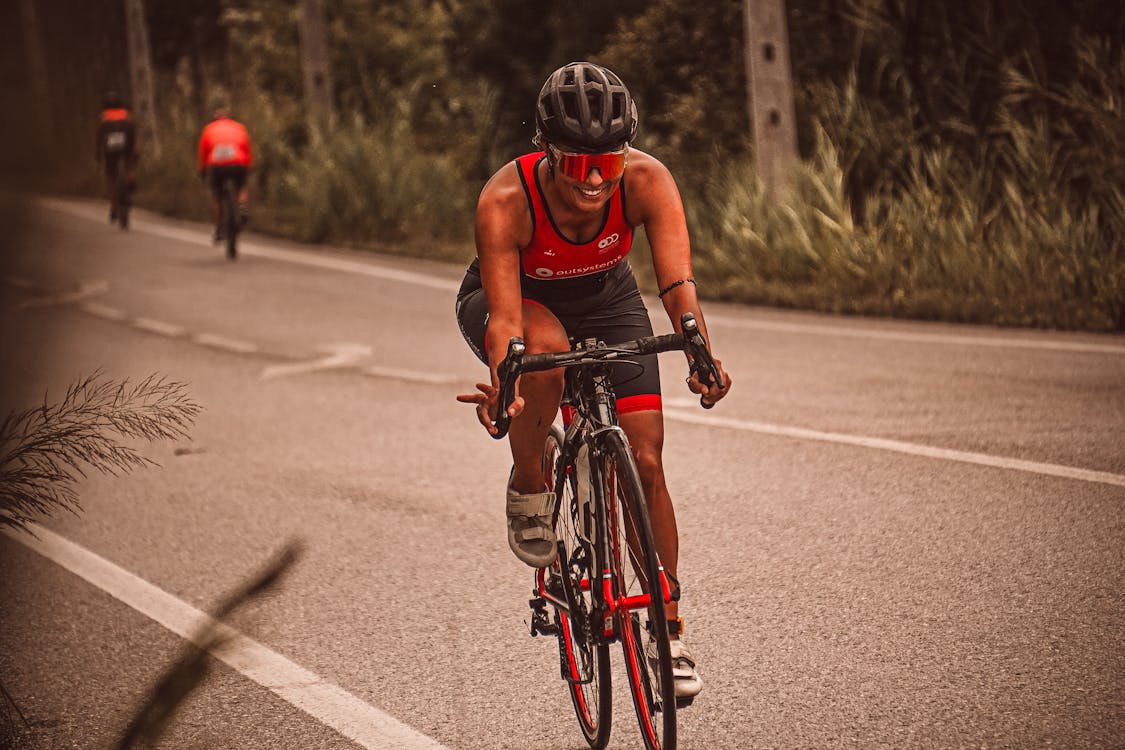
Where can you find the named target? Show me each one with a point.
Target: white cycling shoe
(686, 682)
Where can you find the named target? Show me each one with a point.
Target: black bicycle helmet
(585, 107)
(112, 100)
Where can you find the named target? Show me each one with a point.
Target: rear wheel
(123, 198)
(643, 628)
(583, 654)
(230, 218)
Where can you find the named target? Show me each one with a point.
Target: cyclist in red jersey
(116, 146)
(553, 231)
(225, 151)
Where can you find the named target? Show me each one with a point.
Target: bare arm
(503, 226)
(654, 201)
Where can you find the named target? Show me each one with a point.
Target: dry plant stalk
(46, 449)
(189, 671)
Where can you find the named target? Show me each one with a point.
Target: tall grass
(1024, 229)
(1016, 224)
(362, 182)
(359, 183)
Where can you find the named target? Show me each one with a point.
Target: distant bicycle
(230, 222)
(607, 583)
(124, 193)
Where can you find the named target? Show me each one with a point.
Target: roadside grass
(1020, 225)
(45, 450)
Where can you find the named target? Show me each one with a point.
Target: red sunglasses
(610, 165)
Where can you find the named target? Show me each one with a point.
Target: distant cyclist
(225, 151)
(116, 146)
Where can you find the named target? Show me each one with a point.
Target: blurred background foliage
(959, 161)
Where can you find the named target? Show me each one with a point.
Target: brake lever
(507, 372)
(702, 364)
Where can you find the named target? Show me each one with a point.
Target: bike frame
(595, 414)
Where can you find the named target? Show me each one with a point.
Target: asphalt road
(894, 534)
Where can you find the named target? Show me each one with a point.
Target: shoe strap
(532, 505)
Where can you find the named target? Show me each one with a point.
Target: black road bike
(230, 222)
(607, 584)
(124, 192)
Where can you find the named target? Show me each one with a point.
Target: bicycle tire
(634, 562)
(230, 218)
(122, 198)
(583, 657)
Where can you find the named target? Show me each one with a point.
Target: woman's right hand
(486, 404)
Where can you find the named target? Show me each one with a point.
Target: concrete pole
(770, 92)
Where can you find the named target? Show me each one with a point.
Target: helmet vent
(587, 107)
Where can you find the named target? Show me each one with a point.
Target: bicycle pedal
(684, 702)
(540, 623)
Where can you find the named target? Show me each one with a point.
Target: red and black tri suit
(589, 287)
(116, 142)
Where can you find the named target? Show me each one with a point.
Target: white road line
(368, 268)
(918, 336)
(103, 311)
(85, 290)
(340, 355)
(412, 376)
(249, 247)
(159, 327)
(320, 699)
(946, 454)
(222, 342)
(364, 268)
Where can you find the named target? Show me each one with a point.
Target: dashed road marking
(341, 359)
(413, 376)
(84, 291)
(339, 356)
(324, 701)
(371, 268)
(226, 344)
(159, 327)
(104, 311)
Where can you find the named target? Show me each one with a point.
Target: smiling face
(586, 181)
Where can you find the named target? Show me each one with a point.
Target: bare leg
(645, 430)
(542, 392)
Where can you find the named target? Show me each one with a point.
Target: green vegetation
(961, 162)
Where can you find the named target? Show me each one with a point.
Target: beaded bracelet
(673, 285)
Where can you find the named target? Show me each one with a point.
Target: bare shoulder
(649, 185)
(502, 210)
(503, 191)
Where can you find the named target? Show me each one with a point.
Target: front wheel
(583, 653)
(641, 622)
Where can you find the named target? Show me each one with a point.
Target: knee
(650, 463)
(547, 339)
(550, 381)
